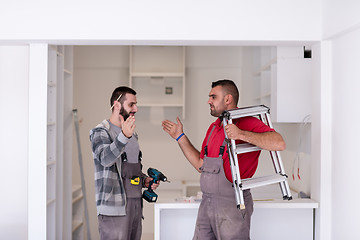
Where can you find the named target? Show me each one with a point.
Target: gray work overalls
(218, 216)
(131, 170)
(129, 227)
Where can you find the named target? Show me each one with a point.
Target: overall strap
(124, 157)
(206, 147)
(140, 156)
(222, 148)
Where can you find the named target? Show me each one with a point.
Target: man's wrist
(122, 138)
(182, 134)
(125, 134)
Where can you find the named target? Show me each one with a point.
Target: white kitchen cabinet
(283, 83)
(272, 219)
(157, 74)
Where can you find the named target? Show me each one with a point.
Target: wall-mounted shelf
(160, 105)
(157, 74)
(266, 66)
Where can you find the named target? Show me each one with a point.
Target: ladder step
(262, 181)
(246, 111)
(246, 147)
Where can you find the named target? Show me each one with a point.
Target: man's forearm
(190, 152)
(106, 151)
(271, 141)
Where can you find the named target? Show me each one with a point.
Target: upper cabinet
(157, 74)
(282, 81)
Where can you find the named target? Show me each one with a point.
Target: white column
(14, 74)
(321, 147)
(38, 68)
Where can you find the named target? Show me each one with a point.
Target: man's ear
(228, 99)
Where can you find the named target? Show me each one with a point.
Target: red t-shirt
(248, 162)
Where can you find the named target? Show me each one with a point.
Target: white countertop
(265, 197)
(267, 203)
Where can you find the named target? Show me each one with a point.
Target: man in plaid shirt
(118, 170)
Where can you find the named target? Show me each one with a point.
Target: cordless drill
(149, 195)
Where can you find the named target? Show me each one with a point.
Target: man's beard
(124, 113)
(214, 112)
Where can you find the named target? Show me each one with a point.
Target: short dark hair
(229, 88)
(121, 90)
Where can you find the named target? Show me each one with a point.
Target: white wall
(345, 141)
(14, 97)
(320, 139)
(126, 21)
(338, 98)
(340, 17)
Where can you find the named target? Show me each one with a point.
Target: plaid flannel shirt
(109, 187)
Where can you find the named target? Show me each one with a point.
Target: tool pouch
(130, 173)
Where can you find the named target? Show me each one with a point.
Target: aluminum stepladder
(263, 113)
(76, 123)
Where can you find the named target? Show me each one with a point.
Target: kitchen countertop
(264, 203)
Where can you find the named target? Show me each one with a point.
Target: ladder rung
(246, 147)
(247, 111)
(262, 181)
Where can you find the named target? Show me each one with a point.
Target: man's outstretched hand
(173, 129)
